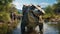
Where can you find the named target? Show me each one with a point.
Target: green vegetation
(6, 7)
(52, 11)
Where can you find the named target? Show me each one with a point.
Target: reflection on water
(48, 29)
(17, 30)
(51, 28)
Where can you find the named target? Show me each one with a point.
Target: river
(48, 29)
(51, 28)
(17, 30)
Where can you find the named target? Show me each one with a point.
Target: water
(17, 30)
(51, 28)
(48, 29)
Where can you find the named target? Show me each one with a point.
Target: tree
(5, 7)
(58, 1)
(4, 4)
(49, 9)
(56, 7)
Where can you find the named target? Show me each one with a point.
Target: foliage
(58, 1)
(4, 4)
(51, 11)
(3, 28)
(56, 7)
(4, 16)
(48, 9)
(6, 7)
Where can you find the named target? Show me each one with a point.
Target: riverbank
(6, 23)
(55, 18)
